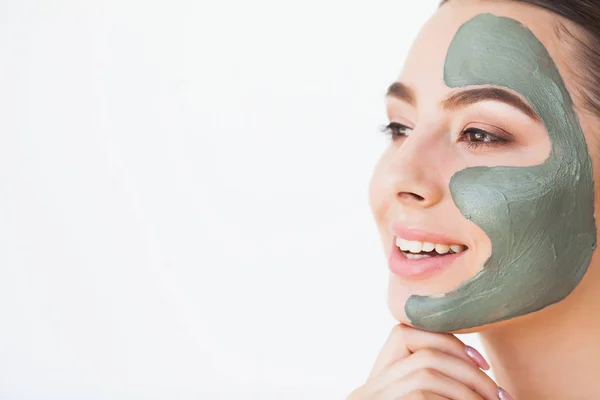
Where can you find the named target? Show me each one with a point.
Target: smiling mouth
(415, 250)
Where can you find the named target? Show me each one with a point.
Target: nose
(414, 172)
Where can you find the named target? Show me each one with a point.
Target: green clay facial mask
(540, 219)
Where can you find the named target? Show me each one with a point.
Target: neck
(553, 354)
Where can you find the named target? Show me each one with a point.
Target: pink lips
(422, 268)
(419, 234)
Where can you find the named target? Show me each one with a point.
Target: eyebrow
(402, 92)
(467, 97)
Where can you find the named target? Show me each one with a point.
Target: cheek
(373, 194)
(482, 248)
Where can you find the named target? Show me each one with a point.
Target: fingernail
(477, 357)
(503, 394)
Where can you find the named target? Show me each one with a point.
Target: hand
(419, 365)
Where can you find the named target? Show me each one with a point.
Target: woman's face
(440, 129)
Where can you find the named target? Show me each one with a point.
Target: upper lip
(419, 234)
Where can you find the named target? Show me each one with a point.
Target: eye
(475, 137)
(396, 130)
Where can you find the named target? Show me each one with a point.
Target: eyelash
(394, 129)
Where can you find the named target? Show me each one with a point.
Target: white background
(183, 196)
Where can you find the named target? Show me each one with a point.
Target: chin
(398, 294)
(396, 300)
(397, 310)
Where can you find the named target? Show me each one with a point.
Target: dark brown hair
(583, 47)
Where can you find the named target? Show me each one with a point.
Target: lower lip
(419, 269)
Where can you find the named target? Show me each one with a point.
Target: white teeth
(442, 248)
(457, 248)
(414, 247)
(403, 244)
(428, 246)
(411, 256)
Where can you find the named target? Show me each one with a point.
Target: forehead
(424, 65)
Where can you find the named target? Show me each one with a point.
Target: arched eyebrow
(467, 97)
(402, 92)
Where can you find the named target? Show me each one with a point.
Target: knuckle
(427, 355)
(425, 375)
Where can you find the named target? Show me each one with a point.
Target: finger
(416, 339)
(393, 350)
(445, 364)
(404, 340)
(421, 395)
(428, 380)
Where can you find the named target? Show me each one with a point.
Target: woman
(485, 203)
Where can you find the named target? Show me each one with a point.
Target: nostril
(410, 196)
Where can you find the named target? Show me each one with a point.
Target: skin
(534, 354)
(540, 219)
(416, 365)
